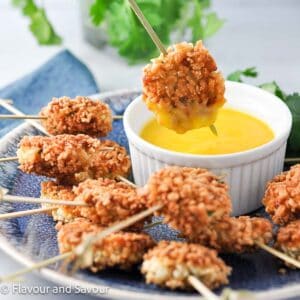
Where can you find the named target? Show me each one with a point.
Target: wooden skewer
(8, 101)
(292, 160)
(279, 254)
(20, 199)
(80, 249)
(34, 117)
(202, 289)
(36, 266)
(24, 213)
(15, 111)
(125, 180)
(156, 40)
(8, 159)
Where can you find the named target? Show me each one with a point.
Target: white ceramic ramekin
(246, 172)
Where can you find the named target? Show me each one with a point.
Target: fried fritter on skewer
(169, 264)
(235, 235)
(109, 201)
(121, 249)
(282, 196)
(77, 116)
(72, 158)
(183, 88)
(192, 198)
(288, 240)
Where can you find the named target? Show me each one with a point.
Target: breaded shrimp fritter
(72, 158)
(110, 201)
(235, 235)
(169, 264)
(121, 249)
(288, 240)
(184, 88)
(282, 196)
(74, 116)
(191, 198)
(54, 191)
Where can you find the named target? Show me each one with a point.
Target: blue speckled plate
(33, 238)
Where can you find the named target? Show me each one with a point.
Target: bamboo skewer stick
(8, 159)
(20, 199)
(279, 254)
(15, 111)
(292, 160)
(36, 266)
(125, 180)
(8, 101)
(24, 213)
(36, 117)
(156, 40)
(202, 289)
(79, 249)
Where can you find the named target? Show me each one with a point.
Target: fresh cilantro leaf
(204, 3)
(98, 10)
(273, 88)
(212, 24)
(29, 9)
(195, 23)
(293, 102)
(238, 75)
(39, 23)
(166, 16)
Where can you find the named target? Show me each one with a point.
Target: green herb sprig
(166, 17)
(179, 18)
(39, 23)
(291, 100)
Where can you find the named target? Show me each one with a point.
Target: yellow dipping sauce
(237, 132)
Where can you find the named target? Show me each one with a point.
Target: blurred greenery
(291, 100)
(184, 19)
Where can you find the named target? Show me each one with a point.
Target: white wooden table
(261, 33)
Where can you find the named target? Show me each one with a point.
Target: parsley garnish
(291, 100)
(39, 23)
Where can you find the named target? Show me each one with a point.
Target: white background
(261, 33)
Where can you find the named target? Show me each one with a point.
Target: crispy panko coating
(282, 196)
(110, 201)
(191, 198)
(184, 88)
(54, 191)
(72, 158)
(288, 240)
(235, 235)
(121, 249)
(74, 116)
(169, 264)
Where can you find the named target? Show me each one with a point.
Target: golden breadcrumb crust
(191, 198)
(54, 191)
(186, 79)
(169, 264)
(110, 201)
(282, 196)
(288, 240)
(72, 158)
(122, 249)
(235, 235)
(74, 116)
